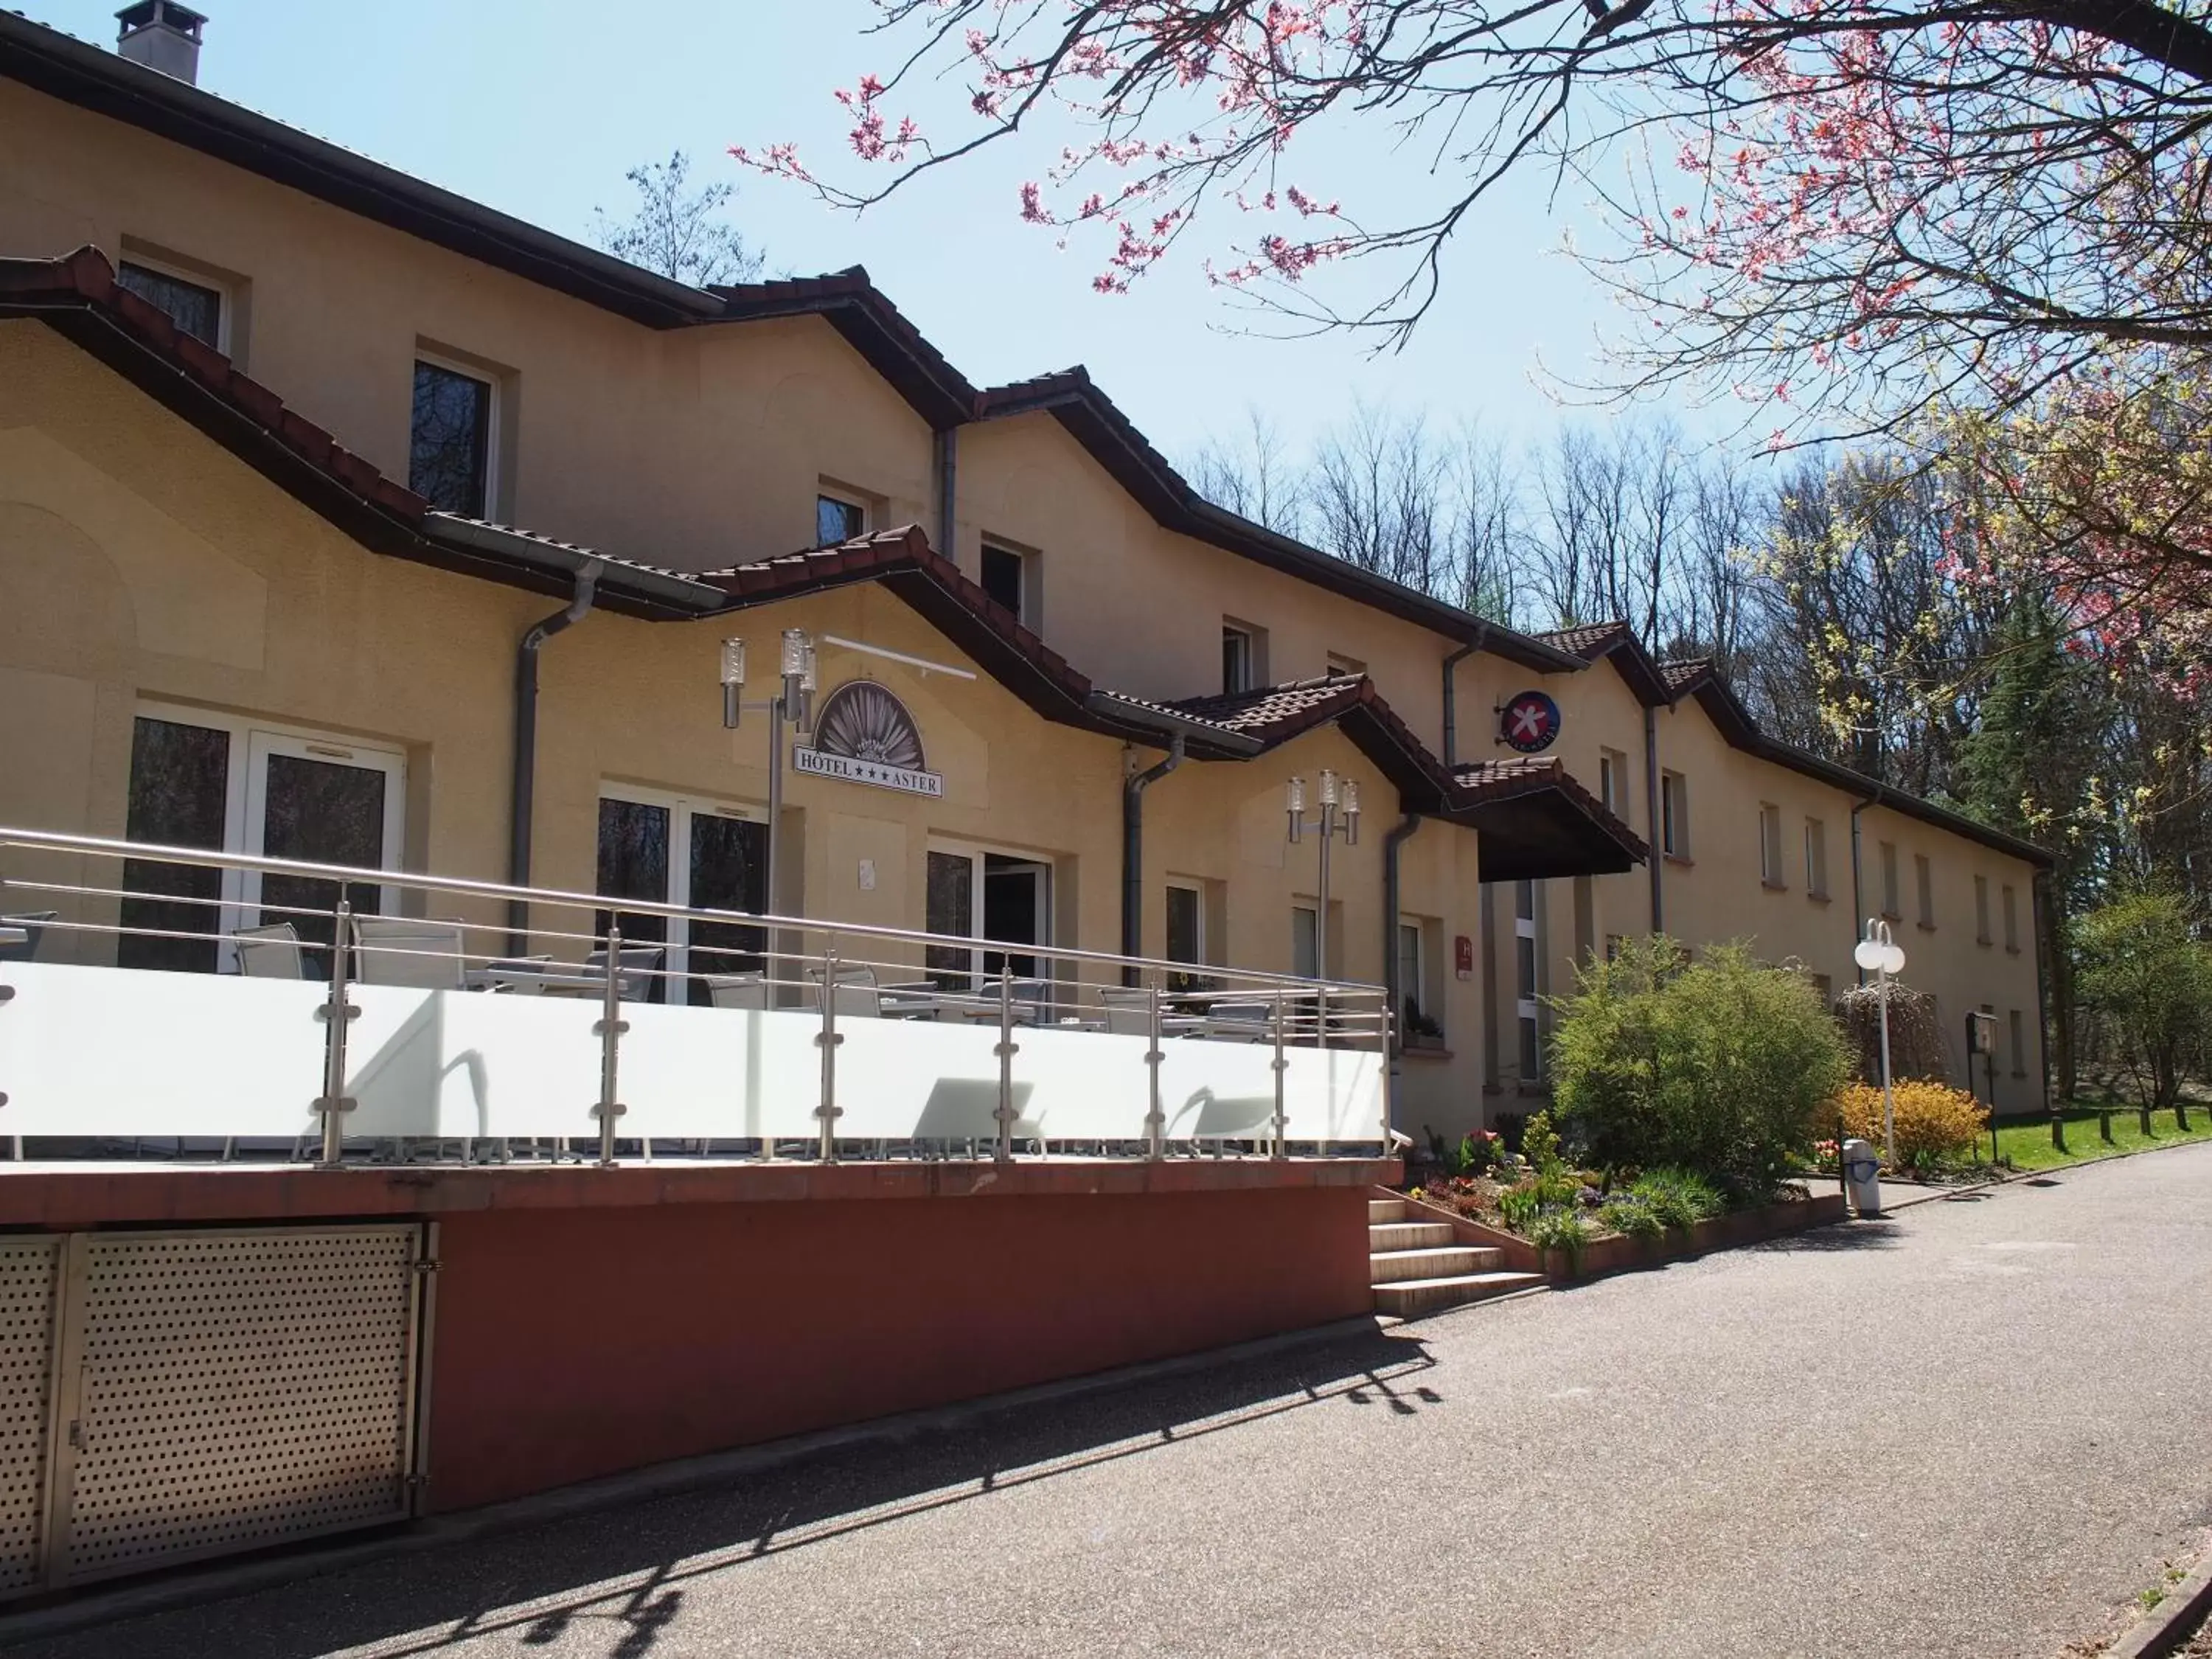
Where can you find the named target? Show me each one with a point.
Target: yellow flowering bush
(1933, 1120)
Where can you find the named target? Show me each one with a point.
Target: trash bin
(1863, 1176)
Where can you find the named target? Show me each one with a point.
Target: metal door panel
(29, 1299)
(223, 1391)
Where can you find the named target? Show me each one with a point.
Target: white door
(1004, 898)
(319, 800)
(672, 850)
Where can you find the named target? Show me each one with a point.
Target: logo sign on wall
(863, 734)
(1530, 722)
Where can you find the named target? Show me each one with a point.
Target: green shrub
(1718, 1066)
(1632, 1216)
(1678, 1198)
(1475, 1155)
(1562, 1230)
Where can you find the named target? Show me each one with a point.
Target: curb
(2161, 1630)
(222, 1581)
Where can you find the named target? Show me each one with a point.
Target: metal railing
(705, 1016)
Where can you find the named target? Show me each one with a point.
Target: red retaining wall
(573, 1343)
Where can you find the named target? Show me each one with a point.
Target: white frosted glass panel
(135, 1051)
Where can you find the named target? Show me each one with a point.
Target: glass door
(320, 803)
(1003, 899)
(678, 851)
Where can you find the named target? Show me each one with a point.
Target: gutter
(524, 786)
(684, 595)
(1132, 853)
(1165, 722)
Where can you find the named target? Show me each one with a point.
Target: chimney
(162, 35)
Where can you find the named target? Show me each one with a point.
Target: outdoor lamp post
(793, 701)
(1340, 815)
(1882, 955)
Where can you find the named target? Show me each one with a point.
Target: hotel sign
(865, 735)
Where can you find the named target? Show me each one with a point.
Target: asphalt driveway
(1977, 1428)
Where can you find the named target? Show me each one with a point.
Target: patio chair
(271, 952)
(634, 974)
(737, 990)
(1240, 1022)
(856, 995)
(33, 926)
(407, 951)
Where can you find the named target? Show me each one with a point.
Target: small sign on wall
(1463, 957)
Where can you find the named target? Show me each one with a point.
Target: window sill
(1774, 886)
(1682, 859)
(1925, 926)
(1819, 898)
(2012, 949)
(1892, 915)
(2019, 1076)
(1985, 943)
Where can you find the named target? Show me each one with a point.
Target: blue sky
(538, 107)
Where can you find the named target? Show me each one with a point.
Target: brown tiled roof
(1684, 674)
(1295, 705)
(852, 304)
(1589, 642)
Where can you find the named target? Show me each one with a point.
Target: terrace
(372, 1016)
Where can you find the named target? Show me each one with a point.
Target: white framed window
(198, 303)
(1421, 1020)
(1890, 904)
(1923, 890)
(1770, 845)
(452, 451)
(680, 850)
(2019, 1034)
(1008, 575)
(839, 516)
(1816, 858)
(996, 897)
(231, 784)
(2011, 921)
(1674, 815)
(1612, 781)
(1239, 667)
(1188, 933)
(1982, 910)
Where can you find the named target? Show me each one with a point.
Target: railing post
(15, 1142)
(1281, 1149)
(1156, 1119)
(336, 1014)
(1006, 1050)
(828, 1041)
(610, 1030)
(1392, 1049)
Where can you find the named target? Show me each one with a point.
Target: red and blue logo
(1529, 723)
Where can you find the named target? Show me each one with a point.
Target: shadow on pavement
(615, 1577)
(1879, 1234)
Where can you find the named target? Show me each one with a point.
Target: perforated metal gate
(188, 1394)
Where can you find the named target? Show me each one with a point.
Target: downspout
(1133, 851)
(1394, 993)
(948, 492)
(1651, 816)
(1858, 898)
(1451, 694)
(524, 787)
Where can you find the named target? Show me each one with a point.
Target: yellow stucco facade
(144, 566)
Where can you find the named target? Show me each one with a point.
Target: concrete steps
(1416, 1267)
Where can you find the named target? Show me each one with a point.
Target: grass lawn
(2027, 1143)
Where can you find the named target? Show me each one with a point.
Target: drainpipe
(1858, 898)
(948, 493)
(525, 746)
(1451, 693)
(1133, 851)
(1651, 816)
(1394, 993)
